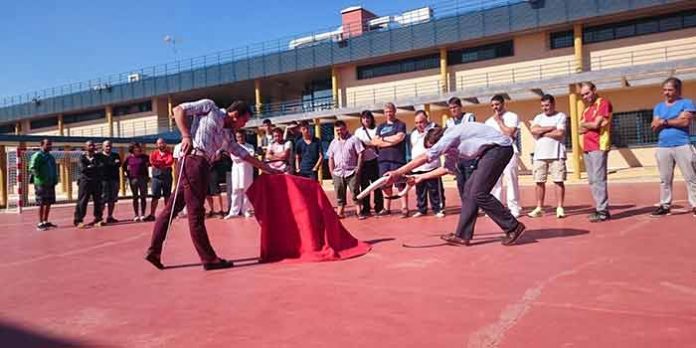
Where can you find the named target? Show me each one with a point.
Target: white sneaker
(248, 214)
(136, 219)
(418, 214)
(231, 216)
(537, 212)
(440, 214)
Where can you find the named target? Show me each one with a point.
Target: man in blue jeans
(308, 153)
(671, 122)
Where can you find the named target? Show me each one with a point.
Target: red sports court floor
(630, 282)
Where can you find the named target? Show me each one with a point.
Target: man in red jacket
(161, 161)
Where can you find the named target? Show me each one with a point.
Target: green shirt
(43, 166)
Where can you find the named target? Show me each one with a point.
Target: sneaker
(248, 214)
(111, 220)
(560, 213)
(661, 211)
(383, 212)
(599, 216)
(537, 212)
(440, 214)
(149, 218)
(49, 224)
(362, 217)
(230, 216)
(136, 219)
(418, 214)
(97, 223)
(41, 226)
(694, 211)
(80, 225)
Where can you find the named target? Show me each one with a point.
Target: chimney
(354, 20)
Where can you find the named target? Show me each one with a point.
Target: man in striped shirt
(345, 160)
(203, 128)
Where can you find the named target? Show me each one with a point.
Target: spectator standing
(161, 160)
(345, 163)
(42, 167)
(465, 167)
(429, 189)
(278, 152)
(110, 180)
(308, 153)
(370, 166)
(135, 166)
(392, 152)
(90, 168)
(241, 177)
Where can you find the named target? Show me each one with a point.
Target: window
(632, 129)
(43, 123)
(431, 61)
(561, 39)
(485, 52)
(133, 108)
(85, 116)
(620, 30)
(7, 128)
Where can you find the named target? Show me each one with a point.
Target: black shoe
(452, 239)
(111, 220)
(599, 216)
(149, 218)
(661, 211)
(514, 235)
(49, 225)
(222, 264)
(41, 226)
(694, 211)
(154, 260)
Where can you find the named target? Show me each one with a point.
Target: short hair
(241, 131)
(370, 117)
(277, 130)
(158, 139)
(548, 98)
(455, 101)
(499, 98)
(588, 84)
(266, 122)
(675, 82)
(433, 136)
(241, 107)
(132, 146)
(304, 124)
(419, 112)
(339, 123)
(44, 141)
(390, 105)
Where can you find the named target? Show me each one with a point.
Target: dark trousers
(310, 174)
(87, 189)
(368, 175)
(477, 193)
(464, 170)
(191, 194)
(138, 187)
(430, 189)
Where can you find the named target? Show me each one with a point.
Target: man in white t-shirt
(278, 152)
(507, 123)
(430, 189)
(549, 131)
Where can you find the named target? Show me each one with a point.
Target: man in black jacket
(91, 169)
(110, 179)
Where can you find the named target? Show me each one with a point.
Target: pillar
(61, 126)
(67, 184)
(257, 96)
(110, 120)
(575, 135)
(443, 70)
(3, 176)
(577, 47)
(121, 174)
(18, 128)
(335, 88)
(170, 113)
(317, 134)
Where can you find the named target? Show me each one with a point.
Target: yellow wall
(136, 125)
(387, 88)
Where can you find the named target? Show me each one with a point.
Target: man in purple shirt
(345, 160)
(203, 131)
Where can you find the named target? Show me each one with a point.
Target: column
(121, 174)
(317, 134)
(257, 96)
(110, 120)
(67, 183)
(443, 70)
(170, 112)
(3, 177)
(335, 88)
(577, 47)
(574, 135)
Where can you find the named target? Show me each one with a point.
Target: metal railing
(297, 106)
(644, 56)
(439, 10)
(393, 93)
(517, 74)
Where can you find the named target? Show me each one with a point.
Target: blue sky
(45, 43)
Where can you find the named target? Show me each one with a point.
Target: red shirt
(597, 139)
(161, 160)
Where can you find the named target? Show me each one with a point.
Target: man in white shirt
(431, 188)
(370, 167)
(459, 117)
(549, 131)
(507, 123)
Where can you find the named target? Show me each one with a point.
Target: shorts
(385, 167)
(161, 186)
(213, 184)
(110, 191)
(555, 168)
(45, 194)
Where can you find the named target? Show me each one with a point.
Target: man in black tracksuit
(90, 167)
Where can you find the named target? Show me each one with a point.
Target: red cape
(299, 222)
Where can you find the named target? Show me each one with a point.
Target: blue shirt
(673, 136)
(397, 152)
(309, 153)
